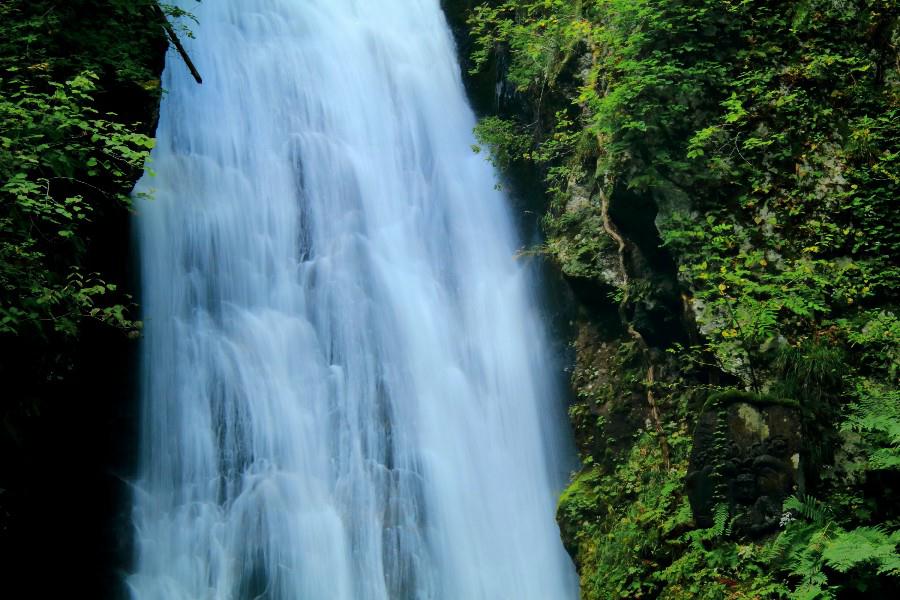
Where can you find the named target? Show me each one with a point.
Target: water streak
(347, 393)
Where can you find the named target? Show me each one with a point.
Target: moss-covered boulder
(746, 454)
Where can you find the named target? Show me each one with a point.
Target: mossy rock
(731, 396)
(579, 502)
(746, 453)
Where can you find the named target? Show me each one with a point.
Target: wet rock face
(747, 455)
(609, 406)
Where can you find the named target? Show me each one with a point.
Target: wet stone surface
(746, 455)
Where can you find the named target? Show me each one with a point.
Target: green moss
(727, 397)
(632, 535)
(580, 495)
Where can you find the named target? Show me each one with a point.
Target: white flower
(785, 519)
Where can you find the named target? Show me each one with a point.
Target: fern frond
(720, 521)
(863, 545)
(885, 459)
(809, 508)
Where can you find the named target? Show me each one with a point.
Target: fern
(808, 507)
(810, 545)
(885, 458)
(720, 527)
(876, 416)
(812, 591)
(720, 521)
(862, 546)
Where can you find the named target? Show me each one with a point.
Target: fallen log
(170, 31)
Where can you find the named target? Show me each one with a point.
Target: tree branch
(177, 43)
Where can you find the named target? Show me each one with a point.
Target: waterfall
(346, 389)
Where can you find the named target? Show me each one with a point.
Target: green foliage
(863, 547)
(66, 159)
(618, 518)
(79, 91)
(767, 135)
(635, 537)
(56, 148)
(541, 34)
(814, 542)
(507, 141)
(875, 417)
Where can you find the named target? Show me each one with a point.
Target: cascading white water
(347, 394)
